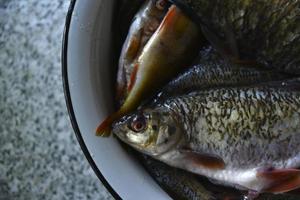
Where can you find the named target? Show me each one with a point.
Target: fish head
(150, 131)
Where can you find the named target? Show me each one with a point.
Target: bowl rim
(68, 100)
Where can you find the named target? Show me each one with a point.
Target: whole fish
(217, 73)
(264, 31)
(171, 48)
(144, 24)
(212, 71)
(246, 137)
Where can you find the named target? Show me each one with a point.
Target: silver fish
(212, 71)
(217, 72)
(178, 183)
(181, 185)
(246, 137)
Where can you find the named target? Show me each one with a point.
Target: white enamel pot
(87, 77)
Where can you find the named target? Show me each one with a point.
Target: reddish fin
(133, 77)
(104, 128)
(169, 19)
(203, 160)
(281, 181)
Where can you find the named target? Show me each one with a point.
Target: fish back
(246, 126)
(267, 31)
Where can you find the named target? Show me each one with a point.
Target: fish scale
(267, 31)
(234, 116)
(209, 74)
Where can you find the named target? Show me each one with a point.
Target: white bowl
(87, 64)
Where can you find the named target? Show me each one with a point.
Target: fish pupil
(138, 123)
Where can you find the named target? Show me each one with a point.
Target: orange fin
(104, 128)
(133, 77)
(282, 180)
(170, 17)
(203, 160)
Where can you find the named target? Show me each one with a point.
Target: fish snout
(118, 129)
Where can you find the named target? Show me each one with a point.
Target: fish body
(144, 24)
(178, 183)
(217, 73)
(246, 137)
(163, 55)
(182, 185)
(266, 31)
(212, 71)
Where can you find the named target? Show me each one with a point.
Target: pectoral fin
(203, 160)
(281, 181)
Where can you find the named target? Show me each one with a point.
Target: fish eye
(138, 123)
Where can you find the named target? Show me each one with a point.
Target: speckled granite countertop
(39, 154)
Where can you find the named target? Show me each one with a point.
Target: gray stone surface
(39, 154)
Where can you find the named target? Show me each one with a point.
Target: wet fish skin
(210, 73)
(218, 73)
(182, 185)
(179, 184)
(267, 31)
(241, 113)
(248, 128)
(144, 24)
